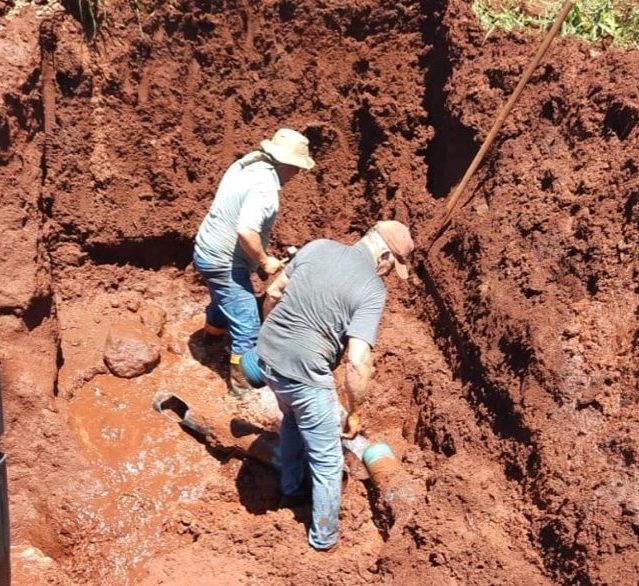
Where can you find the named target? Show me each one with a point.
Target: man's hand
(353, 425)
(251, 244)
(270, 265)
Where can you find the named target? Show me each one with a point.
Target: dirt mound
(507, 376)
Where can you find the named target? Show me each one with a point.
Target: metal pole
(451, 202)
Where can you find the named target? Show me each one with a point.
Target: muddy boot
(213, 334)
(209, 345)
(240, 388)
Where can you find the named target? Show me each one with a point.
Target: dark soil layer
(507, 377)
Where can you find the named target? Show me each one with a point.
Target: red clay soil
(507, 377)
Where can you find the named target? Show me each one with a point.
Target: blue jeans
(310, 434)
(233, 305)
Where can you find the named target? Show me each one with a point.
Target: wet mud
(506, 371)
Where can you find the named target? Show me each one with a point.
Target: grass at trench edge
(590, 20)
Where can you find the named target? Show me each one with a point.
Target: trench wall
(111, 144)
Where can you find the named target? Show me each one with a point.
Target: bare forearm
(358, 375)
(274, 293)
(359, 369)
(251, 244)
(269, 304)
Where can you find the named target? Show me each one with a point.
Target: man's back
(216, 240)
(333, 293)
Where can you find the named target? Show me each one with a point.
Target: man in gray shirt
(329, 298)
(233, 237)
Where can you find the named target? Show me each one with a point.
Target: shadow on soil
(210, 351)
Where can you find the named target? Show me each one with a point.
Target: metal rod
(451, 202)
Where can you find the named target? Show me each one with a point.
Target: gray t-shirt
(246, 198)
(333, 294)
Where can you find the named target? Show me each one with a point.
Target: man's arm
(359, 370)
(251, 244)
(274, 293)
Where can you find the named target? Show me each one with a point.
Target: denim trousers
(233, 305)
(310, 436)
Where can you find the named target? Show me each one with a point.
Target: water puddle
(145, 466)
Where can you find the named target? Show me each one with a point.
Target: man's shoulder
(262, 173)
(322, 245)
(325, 242)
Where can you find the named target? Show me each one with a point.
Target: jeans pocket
(267, 371)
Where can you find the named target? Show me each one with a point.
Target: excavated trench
(506, 376)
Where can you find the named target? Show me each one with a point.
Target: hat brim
(287, 158)
(401, 269)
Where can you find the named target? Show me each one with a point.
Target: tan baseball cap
(289, 147)
(398, 239)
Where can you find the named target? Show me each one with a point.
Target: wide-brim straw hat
(290, 148)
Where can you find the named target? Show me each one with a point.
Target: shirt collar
(361, 245)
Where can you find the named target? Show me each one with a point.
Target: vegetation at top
(92, 13)
(616, 21)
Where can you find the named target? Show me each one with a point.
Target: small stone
(482, 208)
(437, 559)
(69, 254)
(571, 330)
(132, 304)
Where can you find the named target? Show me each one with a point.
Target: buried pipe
(222, 430)
(383, 468)
(386, 473)
(397, 490)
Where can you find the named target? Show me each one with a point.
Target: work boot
(208, 344)
(240, 388)
(213, 334)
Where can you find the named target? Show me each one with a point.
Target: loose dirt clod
(154, 318)
(131, 349)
